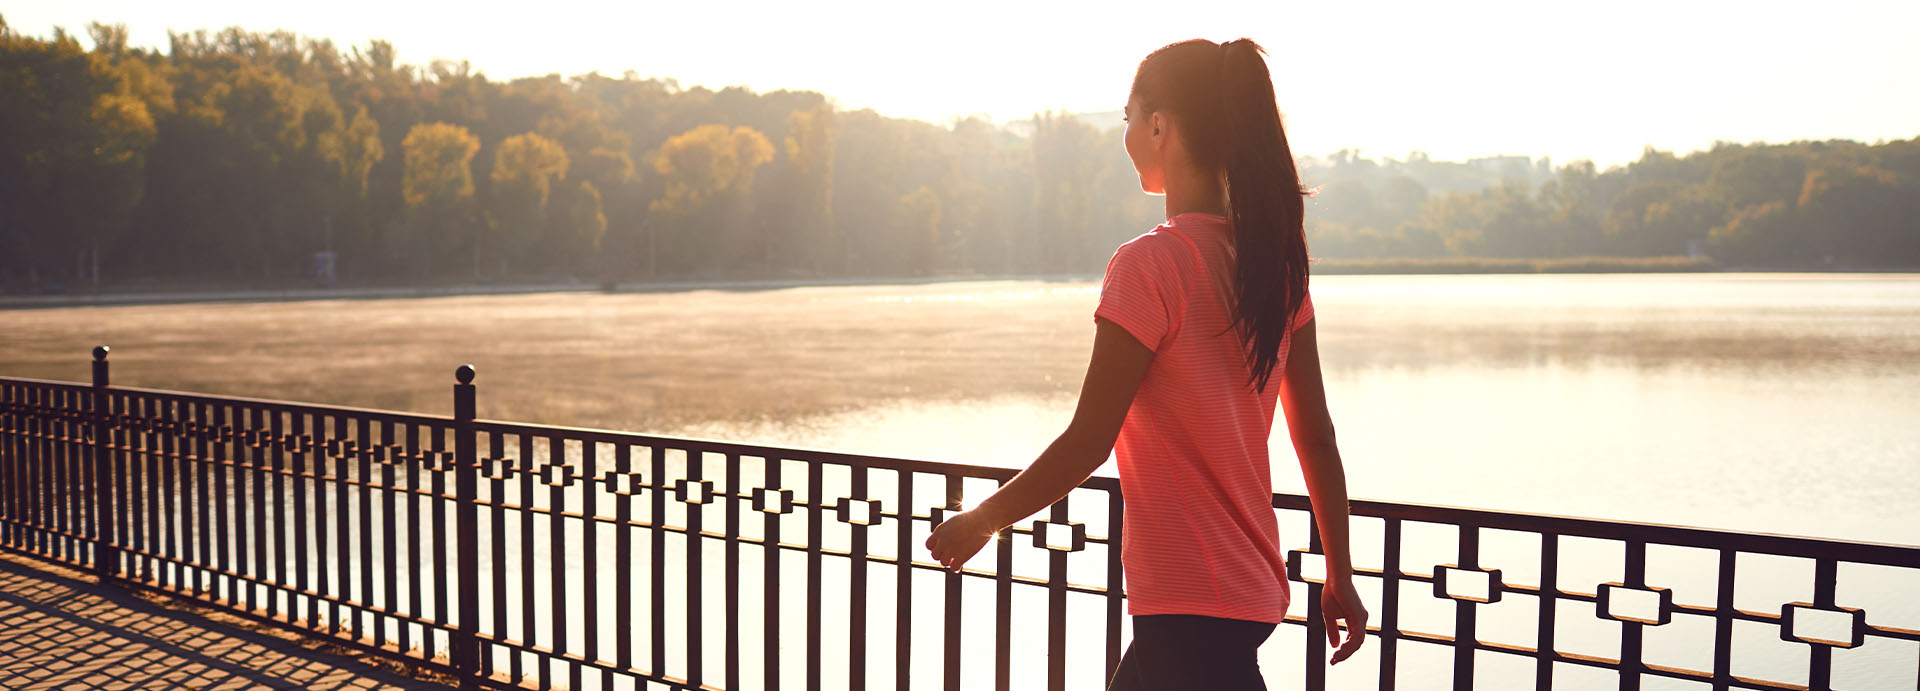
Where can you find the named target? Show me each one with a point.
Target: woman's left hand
(957, 539)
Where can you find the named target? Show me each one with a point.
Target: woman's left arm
(1118, 365)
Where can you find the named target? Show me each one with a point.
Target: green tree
(74, 130)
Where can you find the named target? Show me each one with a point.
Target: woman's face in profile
(1141, 149)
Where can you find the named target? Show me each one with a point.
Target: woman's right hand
(1339, 602)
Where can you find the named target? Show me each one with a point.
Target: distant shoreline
(1493, 265)
(1322, 267)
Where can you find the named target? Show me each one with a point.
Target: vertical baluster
(557, 549)
(1549, 604)
(339, 449)
(1003, 611)
(1723, 621)
(658, 565)
(215, 417)
(445, 542)
(172, 505)
(48, 501)
(35, 482)
(79, 496)
(1464, 614)
(189, 498)
(497, 525)
(816, 498)
(364, 450)
(1057, 605)
(278, 580)
(951, 671)
(157, 480)
(201, 472)
(295, 437)
(413, 456)
(589, 554)
(1116, 587)
(79, 456)
(857, 588)
(64, 480)
(622, 574)
(9, 461)
(57, 504)
(1390, 605)
(529, 623)
(87, 550)
(903, 602)
(9, 467)
(1316, 666)
(1630, 635)
(772, 594)
(57, 462)
(183, 517)
(1825, 580)
(393, 456)
(732, 666)
(696, 638)
(142, 566)
(257, 424)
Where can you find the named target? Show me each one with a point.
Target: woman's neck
(1189, 191)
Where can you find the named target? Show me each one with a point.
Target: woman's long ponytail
(1221, 97)
(1266, 204)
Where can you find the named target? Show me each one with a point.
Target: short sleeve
(1143, 291)
(1304, 314)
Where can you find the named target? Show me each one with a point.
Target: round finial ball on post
(464, 374)
(100, 352)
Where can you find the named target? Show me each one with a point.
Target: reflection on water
(1773, 403)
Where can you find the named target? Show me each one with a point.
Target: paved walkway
(59, 629)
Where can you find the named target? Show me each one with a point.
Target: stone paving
(61, 629)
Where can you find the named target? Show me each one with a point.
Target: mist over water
(1754, 402)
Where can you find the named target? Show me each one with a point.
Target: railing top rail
(245, 400)
(919, 465)
(1653, 533)
(45, 382)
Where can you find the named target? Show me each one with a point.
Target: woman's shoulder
(1160, 243)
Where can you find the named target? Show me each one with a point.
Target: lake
(1783, 403)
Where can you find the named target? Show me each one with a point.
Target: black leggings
(1187, 651)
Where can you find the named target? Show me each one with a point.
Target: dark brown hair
(1221, 97)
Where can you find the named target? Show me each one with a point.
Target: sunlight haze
(1456, 80)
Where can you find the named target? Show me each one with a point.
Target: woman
(1203, 323)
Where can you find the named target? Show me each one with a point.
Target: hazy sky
(1596, 80)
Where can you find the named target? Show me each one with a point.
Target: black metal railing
(518, 555)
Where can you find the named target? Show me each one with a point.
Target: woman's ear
(1159, 123)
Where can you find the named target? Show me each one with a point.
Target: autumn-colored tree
(438, 188)
(707, 170)
(525, 169)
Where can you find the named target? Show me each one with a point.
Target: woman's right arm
(1304, 398)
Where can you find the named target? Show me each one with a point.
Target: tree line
(235, 158)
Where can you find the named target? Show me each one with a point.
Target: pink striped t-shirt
(1199, 534)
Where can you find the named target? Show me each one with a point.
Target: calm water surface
(1755, 402)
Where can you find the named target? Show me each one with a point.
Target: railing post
(105, 556)
(466, 650)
